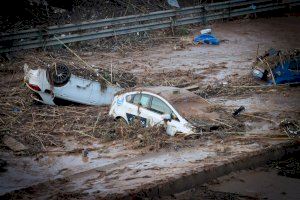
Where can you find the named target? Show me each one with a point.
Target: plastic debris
(238, 111)
(173, 3)
(16, 109)
(206, 39)
(205, 31)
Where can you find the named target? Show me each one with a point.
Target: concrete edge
(194, 179)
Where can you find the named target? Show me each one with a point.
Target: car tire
(59, 75)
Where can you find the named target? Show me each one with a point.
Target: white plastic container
(205, 31)
(257, 73)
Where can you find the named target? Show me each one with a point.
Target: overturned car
(176, 108)
(278, 67)
(58, 86)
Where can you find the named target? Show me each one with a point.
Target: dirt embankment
(40, 14)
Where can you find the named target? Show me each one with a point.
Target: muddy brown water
(235, 56)
(117, 178)
(25, 171)
(276, 180)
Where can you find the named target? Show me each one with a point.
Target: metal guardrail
(34, 38)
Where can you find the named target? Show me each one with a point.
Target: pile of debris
(291, 128)
(154, 137)
(278, 66)
(289, 166)
(36, 129)
(102, 74)
(231, 87)
(29, 128)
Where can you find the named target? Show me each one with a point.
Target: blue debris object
(206, 39)
(288, 72)
(285, 66)
(16, 109)
(173, 3)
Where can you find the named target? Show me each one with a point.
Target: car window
(145, 100)
(136, 99)
(129, 98)
(160, 107)
(141, 99)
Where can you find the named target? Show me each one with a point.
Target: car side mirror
(166, 117)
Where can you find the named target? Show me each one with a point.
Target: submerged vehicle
(176, 108)
(57, 86)
(278, 66)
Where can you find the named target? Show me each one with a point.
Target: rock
(85, 152)
(13, 144)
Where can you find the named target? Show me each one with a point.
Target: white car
(174, 107)
(66, 88)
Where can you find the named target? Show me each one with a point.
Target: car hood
(195, 109)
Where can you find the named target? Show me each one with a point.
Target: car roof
(168, 92)
(171, 94)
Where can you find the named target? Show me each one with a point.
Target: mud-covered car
(57, 86)
(176, 108)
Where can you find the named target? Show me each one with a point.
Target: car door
(137, 108)
(144, 110)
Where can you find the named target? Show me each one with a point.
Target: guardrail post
(229, 10)
(174, 20)
(204, 11)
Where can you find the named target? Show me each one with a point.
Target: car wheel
(59, 75)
